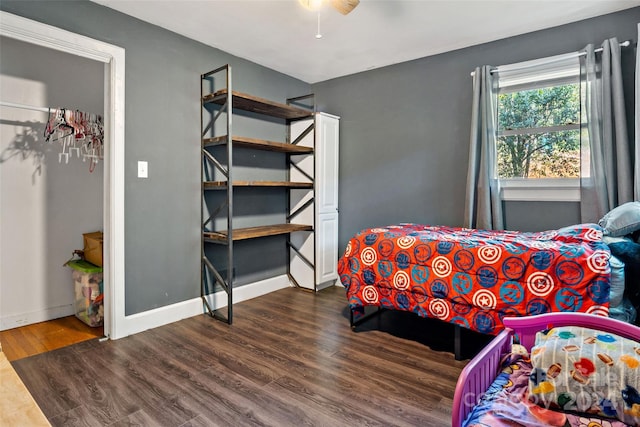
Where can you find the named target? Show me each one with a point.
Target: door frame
(113, 57)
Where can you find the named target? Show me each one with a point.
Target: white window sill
(540, 190)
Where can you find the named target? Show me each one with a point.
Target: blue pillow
(623, 220)
(617, 282)
(629, 253)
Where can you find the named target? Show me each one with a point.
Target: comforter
(474, 278)
(506, 403)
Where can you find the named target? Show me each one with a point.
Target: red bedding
(474, 278)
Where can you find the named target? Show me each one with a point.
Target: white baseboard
(172, 313)
(17, 320)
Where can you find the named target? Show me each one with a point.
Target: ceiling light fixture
(342, 6)
(311, 4)
(318, 33)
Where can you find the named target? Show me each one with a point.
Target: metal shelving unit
(226, 101)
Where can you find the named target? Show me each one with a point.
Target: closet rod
(26, 107)
(579, 53)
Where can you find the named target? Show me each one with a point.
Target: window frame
(547, 72)
(540, 189)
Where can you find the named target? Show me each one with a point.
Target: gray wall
(527, 216)
(404, 138)
(162, 239)
(405, 129)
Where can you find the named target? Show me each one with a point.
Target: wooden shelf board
(255, 232)
(258, 144)
(255, 104)
(220, 185)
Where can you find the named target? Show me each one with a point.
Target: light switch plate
(143, 169)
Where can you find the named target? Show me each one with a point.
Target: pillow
(629, 253)
(616, 290)
(586, 371)
(623, 220)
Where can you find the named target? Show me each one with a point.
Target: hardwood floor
(289, 359)
(17, 407)
(45, 336)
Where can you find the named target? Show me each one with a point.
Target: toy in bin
(89, 294)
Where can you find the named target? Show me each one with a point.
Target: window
(539, 132)
(538, 135)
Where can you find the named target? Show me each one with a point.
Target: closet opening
(61, 197)
(52, 192)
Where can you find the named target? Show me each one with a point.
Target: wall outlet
(143, 169)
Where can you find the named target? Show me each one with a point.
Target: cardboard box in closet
(93, 247)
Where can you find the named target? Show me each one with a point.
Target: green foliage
(538, 152)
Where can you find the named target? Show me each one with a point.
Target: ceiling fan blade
(344, 6)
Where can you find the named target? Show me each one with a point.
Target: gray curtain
(483, 207)
(636, 192)
(607, 179)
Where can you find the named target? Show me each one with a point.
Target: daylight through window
(539, 126)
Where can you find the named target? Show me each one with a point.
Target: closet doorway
(52, 173)
(27, 259)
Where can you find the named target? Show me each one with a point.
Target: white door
(327, 145)
(327, 148)
(327, 249)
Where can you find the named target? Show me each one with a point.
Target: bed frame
(458, 275)
(354, 321)
(478, 375)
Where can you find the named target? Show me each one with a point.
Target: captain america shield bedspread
(474, 278)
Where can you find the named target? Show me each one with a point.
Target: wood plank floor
(17, 407)
(289, 359)
(45, 336)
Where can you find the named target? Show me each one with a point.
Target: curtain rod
(26, 107)
(579, 53)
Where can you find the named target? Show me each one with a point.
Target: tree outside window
(539, 132)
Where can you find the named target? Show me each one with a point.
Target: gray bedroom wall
(404, 139)
(404, 133)
(528, 216)
(162, 114)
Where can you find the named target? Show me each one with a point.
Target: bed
(474, 278)
(594, 378)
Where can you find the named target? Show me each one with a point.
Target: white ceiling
(280, 34)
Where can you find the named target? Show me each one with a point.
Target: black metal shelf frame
(210, 276)
(208, 158)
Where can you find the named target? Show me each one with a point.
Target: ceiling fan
(342, 6)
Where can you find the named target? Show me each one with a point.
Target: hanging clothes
(78, 133)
